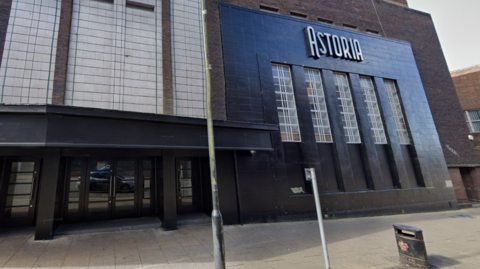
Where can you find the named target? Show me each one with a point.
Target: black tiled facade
(367, 175)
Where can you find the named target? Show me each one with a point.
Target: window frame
(374, 112)
(320, 117)
(349, 116)
(470, 122)
(288, 106)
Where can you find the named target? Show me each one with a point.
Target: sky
(458, 29)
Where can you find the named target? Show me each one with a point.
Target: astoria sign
(319, 43)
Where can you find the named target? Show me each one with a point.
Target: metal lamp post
(217, 221)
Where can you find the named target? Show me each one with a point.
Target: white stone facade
(189, 83)
(116, 62)
(28, 62)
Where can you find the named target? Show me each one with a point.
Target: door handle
(110, 191)
(114, 185)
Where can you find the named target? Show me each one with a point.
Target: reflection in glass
(19, 189)
(97, 196)
(75, 186)
(21, 178)
(72, 207)
(125, 165)
(146, 203)
(97, 207)
(125, 181)
(76, 165)
(100, 165)
(146, 184)
(187, 201)
(146, 193)
(75, 175)
(22, 167)
(124, 205)
(125, 196)
(16, 212)
(186, 182)
(23, 200)
(147, 165)
(73, 196)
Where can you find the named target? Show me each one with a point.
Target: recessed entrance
(19, 191)
(109, 188)
(189, 186)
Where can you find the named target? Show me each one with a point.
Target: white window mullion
(286, 103)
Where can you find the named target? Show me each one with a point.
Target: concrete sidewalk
(452, 242)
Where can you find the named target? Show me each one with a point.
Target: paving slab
(452, 241)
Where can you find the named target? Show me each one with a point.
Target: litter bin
(411, 246)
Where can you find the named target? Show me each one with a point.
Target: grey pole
(312, 175)
(217, 221)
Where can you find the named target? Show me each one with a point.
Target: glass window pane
(75, 175)
(397, 112)
(187, 201)
(16, 212)
(146, 184)
(147, 165)
(285, 101)
(146, 193)
(76, 165)
(73, 196)
(347, 110)
(147, 203)
(100, 166)
(72, 207)
(124, 205)
(125, 165)
(98, 207)
(74, 186)
(97, 196)
(19, 189)
(21, 200)
(21, 178)
(23, 166)
(371, 104)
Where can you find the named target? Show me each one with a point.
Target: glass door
(19, 192)
(124, 189)
(189, 192)
(99, 190)
(112, 189)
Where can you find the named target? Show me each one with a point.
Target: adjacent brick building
(467, 84)
(104, 110)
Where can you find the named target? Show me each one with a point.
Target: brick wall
(475, 173)
(467, 84)
(468, 87)
(58, 95)
(397, 22)
(458, 183)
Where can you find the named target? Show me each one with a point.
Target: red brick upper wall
(467, 83)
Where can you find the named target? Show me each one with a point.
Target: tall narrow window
(347, 110)
(473, 120)
(396, 107)
(287, 111)
(318, 106)
(374, 116)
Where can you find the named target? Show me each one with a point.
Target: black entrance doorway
(189, 186)
(19, 192)
(109, 188)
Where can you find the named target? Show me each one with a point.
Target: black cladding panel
(248, 35)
